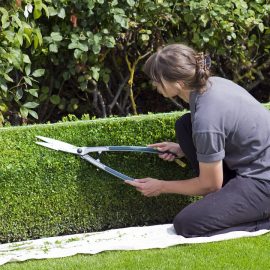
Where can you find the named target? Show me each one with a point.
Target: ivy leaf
(82, 47)
(95, 73)
(62, 13)
(96, 48)
(52, 11)
(56, 36)
(109, 42)
(131, 2)
(53, 48)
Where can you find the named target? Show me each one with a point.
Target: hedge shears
(83, 152)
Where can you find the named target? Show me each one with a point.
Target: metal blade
(57, 145)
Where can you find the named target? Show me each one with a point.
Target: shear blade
(57, 145)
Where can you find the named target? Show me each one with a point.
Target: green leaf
(19, 94)
(261, 27)
(109, 42)
(55, 99)
(3, 86)
(39, 36)
(4, 18)
(52, 11)
(3, 107)
(62, 13)
(72, 45)
(26, 59)
(27, 39)
(19, 37)
(131, 2)
(27, 70)
(77, 53)
(83, 47)
(95, 73)
(38, 4)
(33, 113)
(145, 37)
(37, 13)
(46, 10)
(27, 80)
(56, 36)
(36, 42)
(53, 48)
(30, 105)
(38, 72)
(8, 78)
(33, 92)
(114, 3)
(24, 112)
(17, 20)
(96, 48)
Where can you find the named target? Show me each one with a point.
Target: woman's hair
(179, 62)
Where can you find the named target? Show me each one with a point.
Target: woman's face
(172, 89)
(169, 90)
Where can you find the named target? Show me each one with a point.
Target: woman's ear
(181, 84)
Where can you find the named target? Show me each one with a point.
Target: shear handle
(86, 150)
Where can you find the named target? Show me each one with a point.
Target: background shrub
(69, 56)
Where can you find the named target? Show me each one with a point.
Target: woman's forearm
(191, 187)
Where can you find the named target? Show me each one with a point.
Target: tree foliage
(69, 56)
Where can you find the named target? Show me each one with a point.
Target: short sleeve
(210, 146)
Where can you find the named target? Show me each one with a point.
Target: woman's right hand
(168, 146)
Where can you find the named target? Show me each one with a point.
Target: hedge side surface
(47, 193)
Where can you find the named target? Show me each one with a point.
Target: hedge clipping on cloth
(48, 193)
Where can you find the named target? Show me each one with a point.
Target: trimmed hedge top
(48, 193)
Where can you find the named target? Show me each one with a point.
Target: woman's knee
(186, 225)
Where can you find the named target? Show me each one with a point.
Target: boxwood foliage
(49, 193)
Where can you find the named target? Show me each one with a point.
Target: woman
(226, 138)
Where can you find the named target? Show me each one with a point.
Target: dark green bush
(79, 56)
(49, 193)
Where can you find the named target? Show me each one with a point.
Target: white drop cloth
(132, 238)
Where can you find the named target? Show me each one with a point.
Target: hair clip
(207, 62)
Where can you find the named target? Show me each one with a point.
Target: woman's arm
(209, 180)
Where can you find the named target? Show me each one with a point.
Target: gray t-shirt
(228, 123)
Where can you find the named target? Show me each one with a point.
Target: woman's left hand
(147, 186)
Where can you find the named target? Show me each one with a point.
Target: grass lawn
(245, 253)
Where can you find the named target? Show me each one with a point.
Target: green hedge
(49, 193)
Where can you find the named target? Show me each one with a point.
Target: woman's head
(178, 63)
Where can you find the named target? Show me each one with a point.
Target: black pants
(242, 204)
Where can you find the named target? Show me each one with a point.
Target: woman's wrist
(163, 185)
